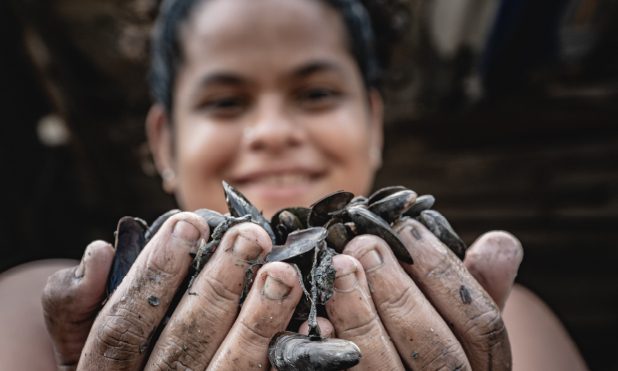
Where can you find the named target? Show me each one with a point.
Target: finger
(207, 311)
(493, 259)
(354, 317)
(71, 299)
(326, 328)
(423, 339)
(266, 311)
(457, 296)
(123, 331)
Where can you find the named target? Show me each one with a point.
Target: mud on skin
(308, 238)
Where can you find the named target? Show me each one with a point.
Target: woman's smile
(283, 186)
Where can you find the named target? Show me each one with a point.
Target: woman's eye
(318, 98)
(224, 106)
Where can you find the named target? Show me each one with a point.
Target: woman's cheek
(204, 153)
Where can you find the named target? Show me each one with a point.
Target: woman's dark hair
(167, 55)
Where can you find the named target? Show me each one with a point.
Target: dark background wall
(537, 155)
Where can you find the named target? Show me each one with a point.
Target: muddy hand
(205, 329)
(71, 300)
(435, 312)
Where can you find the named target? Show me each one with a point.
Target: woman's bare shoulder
(538, 340)
(21, 315)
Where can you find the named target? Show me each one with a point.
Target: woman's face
(268, 98)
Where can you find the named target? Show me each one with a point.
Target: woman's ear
(376, 116)
(159, 134)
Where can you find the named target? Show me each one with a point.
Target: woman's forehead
(226, 30)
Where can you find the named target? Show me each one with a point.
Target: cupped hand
(439, 313)
(71, 300)
(207, 327)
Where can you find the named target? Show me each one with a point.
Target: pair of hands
(437, 313)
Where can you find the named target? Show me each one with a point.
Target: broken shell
(298, 243)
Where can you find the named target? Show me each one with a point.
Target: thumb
(72, 298)
(494, 259)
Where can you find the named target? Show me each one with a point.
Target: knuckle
(446, 357)
(399, 304)
(59, 291)
(218, 295)
(177, 354)
(487, 329)
(257, 333)
(124, 335)
(442, 267)
(367, 328)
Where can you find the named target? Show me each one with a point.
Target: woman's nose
(273, 129)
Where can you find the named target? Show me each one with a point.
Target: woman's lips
(277, 187)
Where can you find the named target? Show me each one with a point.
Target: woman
(279, 98)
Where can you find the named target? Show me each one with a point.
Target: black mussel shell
(156, 225)
(288, 220)
(301, 213)
(424, 202)
(297, 243)
(338, 236)
(359, 201)
(130, 240)
(441, 228)
(321, 209)
(369, 223)
(384, 192)
(290, 351)
(239, 206)
(211, 217)
(391, 207)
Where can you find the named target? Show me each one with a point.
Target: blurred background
(505, 110)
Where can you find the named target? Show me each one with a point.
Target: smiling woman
(279, 98)
(269, 120)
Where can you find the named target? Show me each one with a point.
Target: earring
(169, 180)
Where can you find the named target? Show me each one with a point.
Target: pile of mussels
(308, 238)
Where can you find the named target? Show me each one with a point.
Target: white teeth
(282, 180)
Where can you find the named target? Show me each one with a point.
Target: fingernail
(371, 260)
(246, 248)
(346, 280)
(186, 231)
(275, 289)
